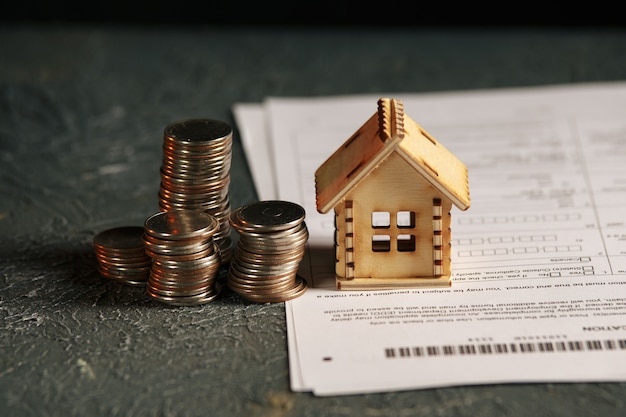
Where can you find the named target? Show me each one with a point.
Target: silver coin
(262, 288)
(270, 215)
(264, 259)
(198, 131)
(183, 276)
(181, 224)
(183, 301)
(257, 282)
(163, 290)
(299, 287)
(181, 256)
(265, 269)
(164, 249)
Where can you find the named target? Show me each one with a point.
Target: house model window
(381, 241)
(392, 187)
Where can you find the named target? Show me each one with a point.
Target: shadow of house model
(392, 186)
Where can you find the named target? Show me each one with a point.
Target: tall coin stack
(185, 259)
(272, 241)
(195, 173)
(121, 255)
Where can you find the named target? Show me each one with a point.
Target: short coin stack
(272, 240)
(121, 255)
(185, 259)
(195, 173)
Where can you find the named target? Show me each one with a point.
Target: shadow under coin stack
(195, 173)
(272, 241)
(121, 255)
(185, 259)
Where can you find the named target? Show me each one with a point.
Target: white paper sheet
(255, 141)
(539, 259)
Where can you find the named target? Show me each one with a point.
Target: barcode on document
(505, 348)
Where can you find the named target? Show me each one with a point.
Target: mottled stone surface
(82, 110)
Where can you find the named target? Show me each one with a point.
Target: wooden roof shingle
(390, 130)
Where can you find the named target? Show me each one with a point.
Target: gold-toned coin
(125, 263)
(119, 239)
(121, 256)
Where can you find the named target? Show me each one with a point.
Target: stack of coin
(185, 259)
(121, 255)
(195, 173)
(272, 241)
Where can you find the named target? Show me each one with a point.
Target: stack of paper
(539, 259)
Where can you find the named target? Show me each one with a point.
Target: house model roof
(390, 130)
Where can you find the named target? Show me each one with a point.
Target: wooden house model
(392, 186)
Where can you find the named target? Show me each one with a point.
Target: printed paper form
(539, 262)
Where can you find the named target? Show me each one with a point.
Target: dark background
(320, 13)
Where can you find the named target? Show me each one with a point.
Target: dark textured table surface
(82, 112)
